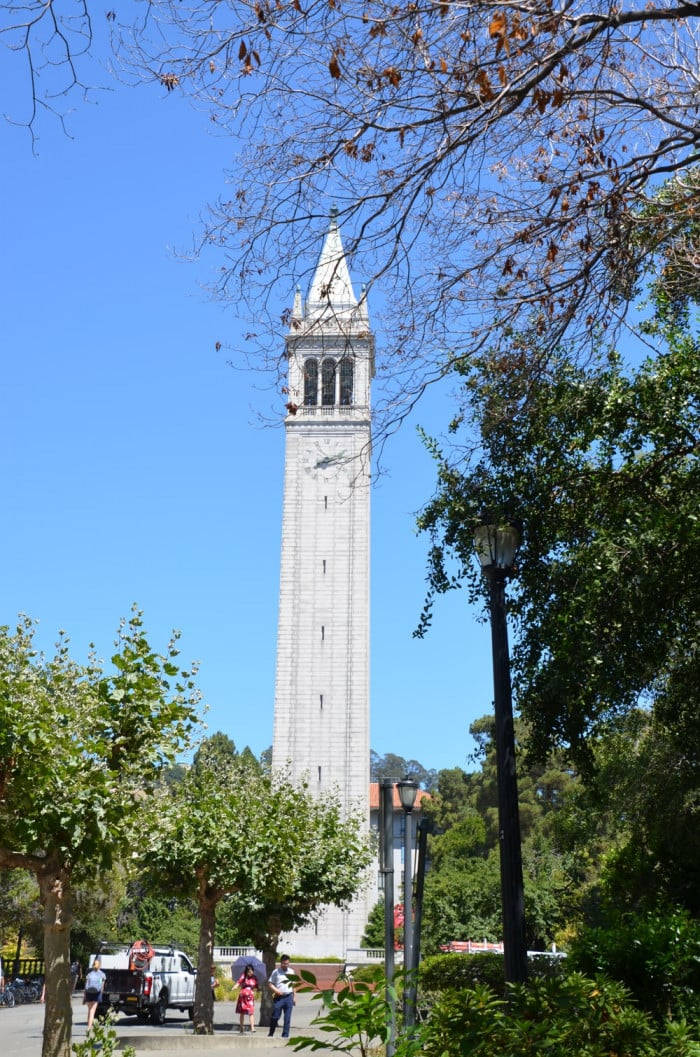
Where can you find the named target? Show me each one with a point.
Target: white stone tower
(322, 686)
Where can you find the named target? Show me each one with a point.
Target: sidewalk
(21, 1032)
(177, 1040)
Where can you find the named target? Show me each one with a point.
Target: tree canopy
(80, 751)
(231, 830)
(599, 463)
(495, 163)
(392, 766)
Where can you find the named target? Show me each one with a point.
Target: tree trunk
(203, 1014)
(268, 946)
(54, 885)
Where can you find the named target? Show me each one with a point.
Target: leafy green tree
(392, 766)
(655, 953)
(80, 752)
(373, 936)
(318, 858)
(20, 910)
(217, 752)
(600, 464)
(462, 892)
(633, 827)
(147, 914)
(276, 852)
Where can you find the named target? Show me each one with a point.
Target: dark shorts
(92, 995)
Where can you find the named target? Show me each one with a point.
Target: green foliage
(457, 972)
(656, 954)
(368, 974)
(229, 932)
(354, 1017)
(547, 1018)
(632, 828)
(462, 890)
(159, 919)
(373, 936)
(79, 748)
(463, 902)
(276, 851)
(600, 464)
(102, 1041)
(393, 766)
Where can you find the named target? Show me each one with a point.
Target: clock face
(325, 460)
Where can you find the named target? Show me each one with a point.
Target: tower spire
(331, 287)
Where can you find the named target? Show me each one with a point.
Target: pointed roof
(331, 287)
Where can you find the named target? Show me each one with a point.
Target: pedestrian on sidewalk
(94, 985)
(248, 983)
(282, 997)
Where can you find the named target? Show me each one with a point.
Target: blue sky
(133, 465)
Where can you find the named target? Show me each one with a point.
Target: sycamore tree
(80, 752)
(491, 160)
(278, 851)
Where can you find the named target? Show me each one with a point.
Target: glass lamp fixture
(407, 789)
(496, 545)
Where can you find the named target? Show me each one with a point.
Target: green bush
(102, 1041)
(570, 1017)
(307, 960)
(444, 972)
(456, 972)
(227, 989)
(369, 974)
(655, 954)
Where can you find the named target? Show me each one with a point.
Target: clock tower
(322, 687)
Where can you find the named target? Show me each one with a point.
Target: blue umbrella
(240, 964)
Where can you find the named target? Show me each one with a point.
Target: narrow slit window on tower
(320, 696)
(328, 383)
(346, 380)
(324, 566)
(319, 774)
(323, 632)
(310, 382)
(325, 502)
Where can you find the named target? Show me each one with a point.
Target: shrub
(655, 954)
(444, 972)
(102, 1041)
(369, 974)
(570, 1016)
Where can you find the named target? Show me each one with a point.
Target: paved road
(21, 1028)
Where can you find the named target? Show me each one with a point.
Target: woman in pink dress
(248, 983)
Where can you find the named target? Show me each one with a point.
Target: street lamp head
(407, 793)
(496, 544)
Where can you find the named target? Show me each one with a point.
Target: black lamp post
(496, 545)
(386, 845)
(407, 790)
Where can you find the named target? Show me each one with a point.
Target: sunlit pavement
(21, 1029)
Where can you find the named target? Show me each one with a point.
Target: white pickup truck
(146, 980)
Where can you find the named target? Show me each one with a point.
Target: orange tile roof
(374, 797)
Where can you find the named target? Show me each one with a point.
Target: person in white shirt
(282, 997)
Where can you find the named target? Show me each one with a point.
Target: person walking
(94, 984)
(282, 997)
(248, 983)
